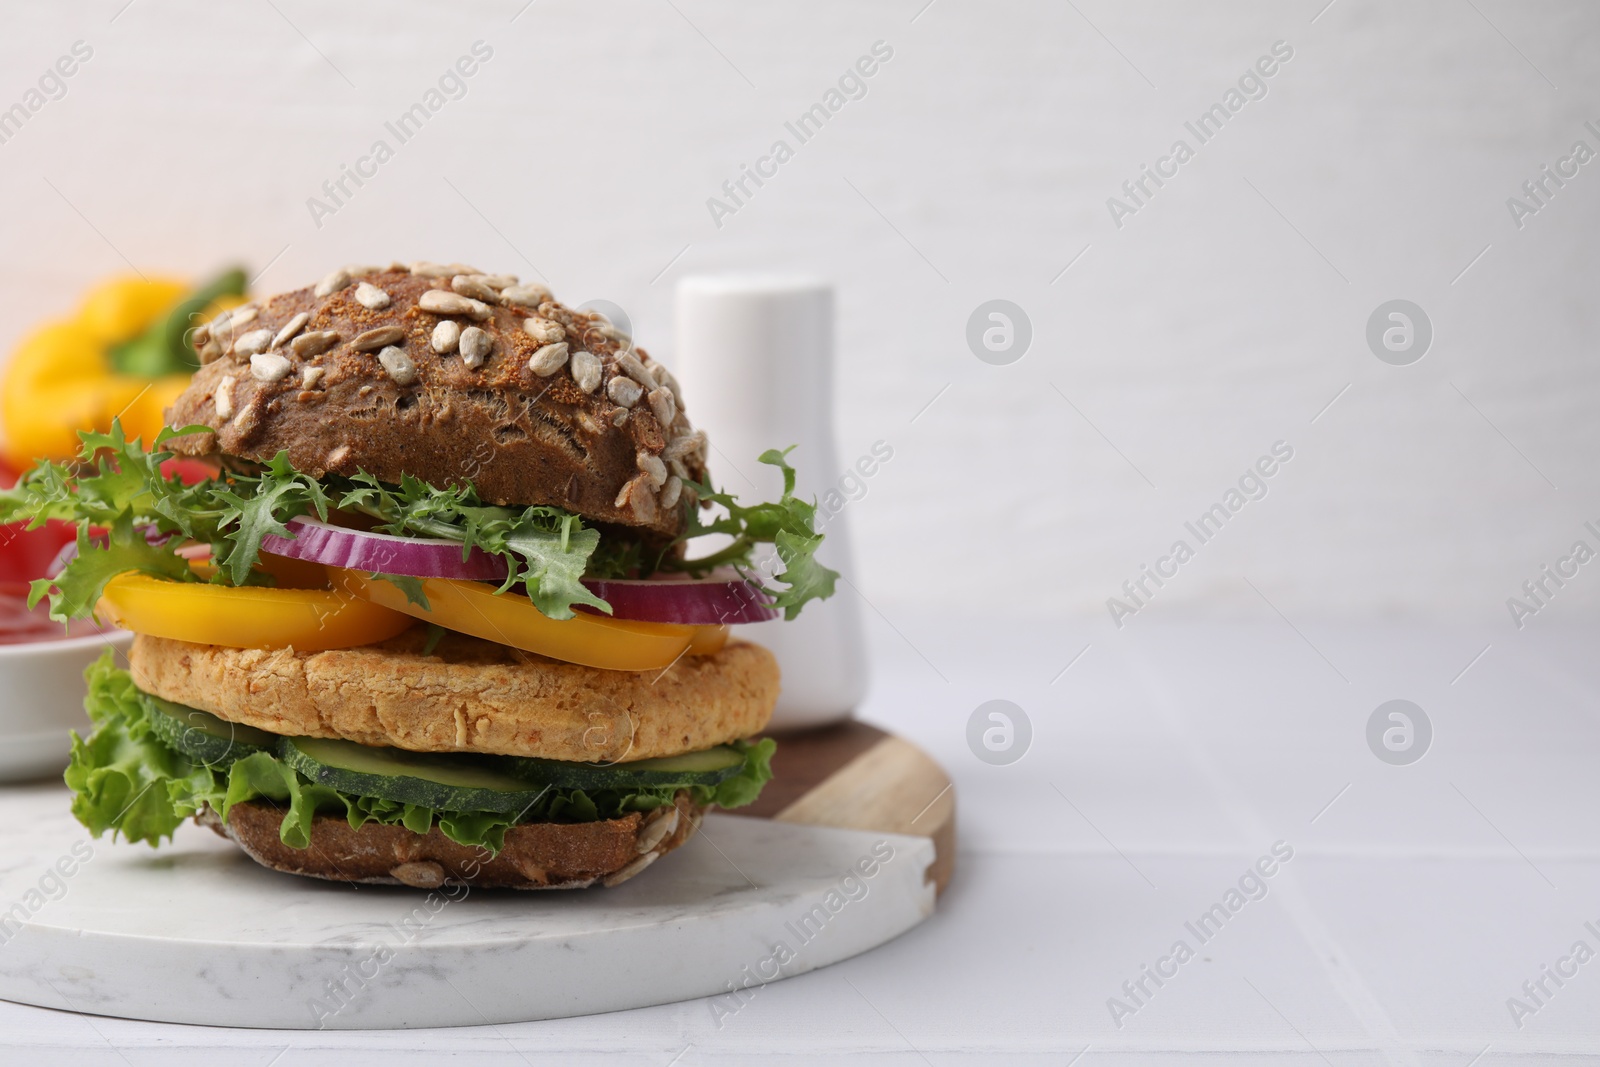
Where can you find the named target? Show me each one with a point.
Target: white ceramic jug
(755, 356)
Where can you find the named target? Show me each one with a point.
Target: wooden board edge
(892, 786)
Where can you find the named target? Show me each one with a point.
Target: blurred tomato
(188, 470)
(26, 554)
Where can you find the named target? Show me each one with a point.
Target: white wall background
(1221, 318)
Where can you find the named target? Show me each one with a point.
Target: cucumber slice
(431, 779)
(707, 767)
(202, 736)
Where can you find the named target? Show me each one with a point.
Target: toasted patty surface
(469, 695)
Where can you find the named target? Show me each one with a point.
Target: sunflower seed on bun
(418, 370)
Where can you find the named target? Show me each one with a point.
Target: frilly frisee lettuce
(551, 550)
(127, 781)
(545, 549)
(789, 525)
(116, 488)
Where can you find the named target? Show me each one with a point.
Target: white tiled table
(1163, 763)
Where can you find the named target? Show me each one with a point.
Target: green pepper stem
(164, 347)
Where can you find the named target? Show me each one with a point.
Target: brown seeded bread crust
(518, 436)
(536, 855)
(470, 695)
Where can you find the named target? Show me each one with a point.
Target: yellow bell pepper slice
(512, 619)
(286, 573)
(708, 640)
(120, 308)
(307, 620)
(124, 354)
(55, 384)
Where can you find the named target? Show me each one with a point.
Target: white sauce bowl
(41, 701)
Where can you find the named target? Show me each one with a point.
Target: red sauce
(25, 555)
(19, 625)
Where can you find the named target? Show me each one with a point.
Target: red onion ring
(719, 599)
(420, 557)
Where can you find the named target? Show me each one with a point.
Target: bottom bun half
(535, 856)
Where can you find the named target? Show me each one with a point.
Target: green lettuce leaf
(555, 549)
(119, 775)
(76, 590)
(411, 586)
(744, 787)
(127, 781)
(116, 487)
(544, 548)
(121, 501)
(281, 493)
(788, 524)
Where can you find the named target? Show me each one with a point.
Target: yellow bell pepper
(125, 353)
(511, 619)
(307, 620)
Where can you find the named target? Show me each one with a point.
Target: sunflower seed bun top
(452, 376)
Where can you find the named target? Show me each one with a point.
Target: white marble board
(196, 932)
